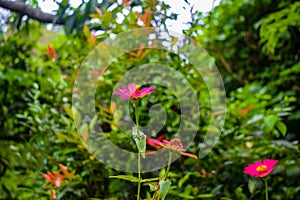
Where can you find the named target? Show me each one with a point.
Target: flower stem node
(140, 140)
(164, 186)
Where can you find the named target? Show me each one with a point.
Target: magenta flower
(174, 145)
(157, 143)
(260, 169)
(133, 91)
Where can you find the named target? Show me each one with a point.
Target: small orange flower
(93, 37)
(68, 174)
(98, 74)
(51, 52)
(55, 178)
(146, 18)
(246, 110)
(126, 2)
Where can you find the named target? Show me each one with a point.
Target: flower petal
(189, 155)
(132, 88)
(270, 163)
(46, 176)
(251, 170)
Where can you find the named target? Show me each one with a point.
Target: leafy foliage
(256, 47)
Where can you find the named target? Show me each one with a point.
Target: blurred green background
(255, 45)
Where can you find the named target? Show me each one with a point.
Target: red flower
(133, 92)
(93, 37)
(260, 169)
(246, 110)
(146, 18)
(55, 178)
(51, 52)
(68, 174)
(140, 54)
(97, 74)
(126, 2)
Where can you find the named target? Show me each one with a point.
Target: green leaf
(271, 120)
(148, 196)
(164, 186)
(255, 118)
(281, 127)
(93, 122)
(126, 177)
(86, 31)
(76, 116)
(239, 193)
(205, 196)
(286, 144)
(68, 110)
(152, 187)
(188, 189)
(251, 186)
(185, 196)
(184, 179)
(195, 191)
(150, 180)
(84, 132)
(61, 12)
(70, 22)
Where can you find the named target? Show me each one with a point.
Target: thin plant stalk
(140, 178)
(266, 189)
(136, 114)
(139, 153)
(169, 164)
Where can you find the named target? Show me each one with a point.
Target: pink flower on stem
(133, 91)
(157, 143)
(260, 169)
(174, 145)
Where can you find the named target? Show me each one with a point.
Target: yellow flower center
(261, 168)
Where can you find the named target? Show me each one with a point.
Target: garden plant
(102, 100)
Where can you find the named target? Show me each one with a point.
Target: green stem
(139, 153)
(266, 189)
(154, 196)
(169, 164)
(136, 114)
(139, 172)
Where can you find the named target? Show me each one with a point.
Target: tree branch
(33, 13)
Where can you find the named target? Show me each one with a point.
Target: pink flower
(174, 145)
(93, 37)
(260, 169)
(157, 143)
(133, 91)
